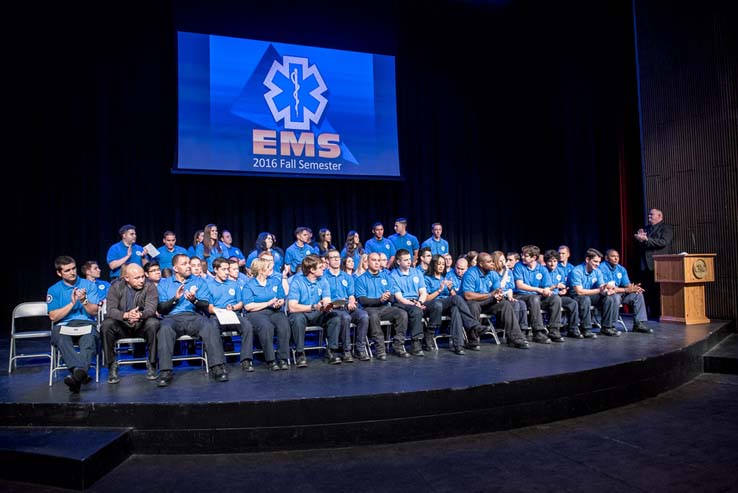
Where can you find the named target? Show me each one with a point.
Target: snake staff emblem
(293, 78)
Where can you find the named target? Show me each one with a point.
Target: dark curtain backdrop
(517, 124)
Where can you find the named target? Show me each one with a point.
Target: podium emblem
(699, 269)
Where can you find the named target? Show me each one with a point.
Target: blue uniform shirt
(356, 257)
(455, 280)
(307, 292)
(233, 251)
(102, 288)
(373, 285)
(341, 285)
(253, 292)
(380, 246)
(476, 282)
(432, 284)
(60, 294)
(165, 256)
(406, 241)
(587, 280)
(168, 289)
(294, 255)
(558, 275)
(200, 252)
(408, 283)
(536, 277)
(223, 293)
(278, 259)
(120, 250)
(616, 274)
(439, 247)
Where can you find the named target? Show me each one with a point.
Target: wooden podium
(682, 281)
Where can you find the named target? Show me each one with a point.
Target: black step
(60, 456)
(723, 358)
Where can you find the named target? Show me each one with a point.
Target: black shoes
(574, 334)
(555, 335)
(541, 338)
(519, 344)
(219, 373)
(150, 371)
(417, 347)
(247, 366)
(347, 357)
(333, 358)
(284, 366)
(272, 366)
(588, 334)
(459, 350)
(473, 346)
(75, 380)
(363, 355)
(381, 356)
(302, 361)
(165, 378)
(113, 376)
(399, 348)
(610, 331)
(642, 328)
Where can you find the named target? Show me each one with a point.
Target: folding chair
(491, 331)
(33, 311)
(314, 333)
(187, 356)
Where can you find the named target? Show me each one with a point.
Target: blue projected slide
(256, 107)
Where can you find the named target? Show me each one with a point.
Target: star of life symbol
(295, 93)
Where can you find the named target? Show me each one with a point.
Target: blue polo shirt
(587, 280)
(102, 288)
(439, 247)
(567, 268)
(165, 256)
(379, 246)
(455, 280)
(432, 284)
(253, 292)
(223, 253)
(120, 250)
(307, 292)
(223, 293)
(278, 259)
(168, 289)
(536, 277)
(616, 274)
(406, 241)
(558, 275)
(294, 255)
(60, 294)
(373, 285)
(341, 285)
(408, 283)
(356, 257)
(476, 282)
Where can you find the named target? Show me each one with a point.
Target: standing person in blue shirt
(484, 296)
(435, 242)
(410, 295)
(169, 249)
(232, 251)
(126, 251)
(443, 299)
(267, 242)
(226, 295)
(380, 244)
(374, 292)
(323, 244)
(73, 302)
(627, 292)
(589, 288)
(298, 250)
(403, 239)
(197, 238)
(564, 255)
(182, 299)
(211, 247)
(559, 278)
(353, 248)
(91, 272)
(309, 303)
(342, 290)
(533, 286)
(263, 298)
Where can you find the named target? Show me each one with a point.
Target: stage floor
(441, 370)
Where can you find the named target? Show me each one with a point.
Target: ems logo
(232, 292)
(539, 276)
(320, 291)
(619, 275)
(384, 282)
(274, 288)
(49, 298)
(295, 93)
(443, 248)
(387, 246)
(408, 243)
(416, 280)
(193, 289)
(101, 287)
(345, 283)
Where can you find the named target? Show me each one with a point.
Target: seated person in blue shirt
(380, 244)
(374, 291)
(484, 296)
(503, 277)
(309, 303)
(384, 261)
(263, 298)
(437, 244)
(410, 295)
(182, 300)
(587, 286)
(403, 239)
(169, 249)
(126, 251)
(342, 292)
(564, 254)
(298, 250)
(627, 292)
(231, 250)
(267, 242)
(424, 257)
(569, 304)
(443, 300)
(234, 272)
(456, 275)
(211, 248)
(533, 286)
(91, 272)
(73, 302)
(226, 295)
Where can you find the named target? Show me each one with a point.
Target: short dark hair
(125, 228)
(592, 253)
(551, 254)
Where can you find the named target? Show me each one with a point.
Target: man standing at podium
(655, 239)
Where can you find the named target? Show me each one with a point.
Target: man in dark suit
(655, 239)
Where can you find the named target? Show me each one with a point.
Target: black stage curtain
(516, 123)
